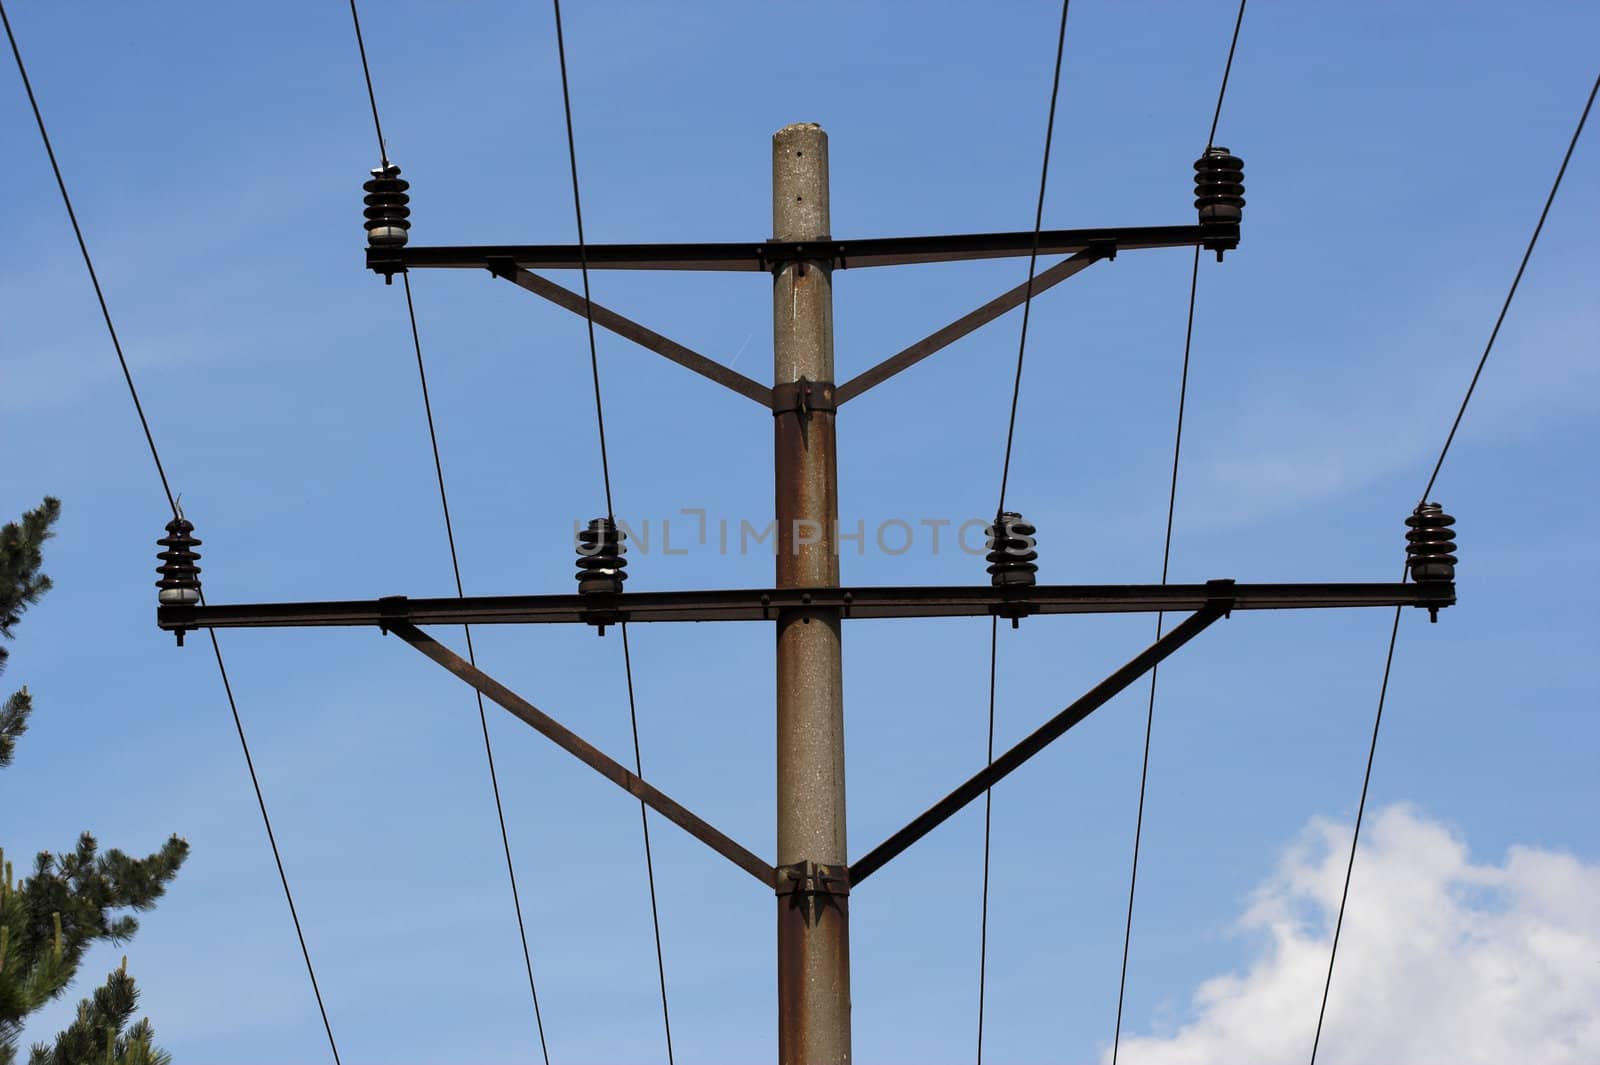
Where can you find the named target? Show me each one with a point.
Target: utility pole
(813, 875)
(813, 901)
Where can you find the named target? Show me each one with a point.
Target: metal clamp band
(803, 396)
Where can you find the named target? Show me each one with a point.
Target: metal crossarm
(765, 256)
(763, 604)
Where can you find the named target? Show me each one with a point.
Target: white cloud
(1441, 960)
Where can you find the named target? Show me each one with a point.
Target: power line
(1033, 256)
(1166, 560)
(94, 277)
(1005, 473)
(483, 718)
(172, 504)
(1511, 293)
(605, 472)
(1150, 706)
(583, 259)
(1227, 69)
(372, 97)
(1388, 661)
(455, 567)
(988, 807)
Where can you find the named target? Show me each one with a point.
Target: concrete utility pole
(813, 901)
(811, 878)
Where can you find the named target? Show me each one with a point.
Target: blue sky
(1396, 160)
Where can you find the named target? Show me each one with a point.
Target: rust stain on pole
(813, 937)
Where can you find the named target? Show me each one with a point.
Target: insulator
(388, 207)
(1219, 186)
(601, 567)
(1011, 543)
(1431, 545)
(180, 576)
(1219, 197)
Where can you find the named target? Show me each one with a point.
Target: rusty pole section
(813, 901)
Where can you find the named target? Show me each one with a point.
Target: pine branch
(97, 1035)
(50, 919)
(21, 556)
(13, 723)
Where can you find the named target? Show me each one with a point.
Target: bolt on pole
(813, 904)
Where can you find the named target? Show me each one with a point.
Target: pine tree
(50, 919)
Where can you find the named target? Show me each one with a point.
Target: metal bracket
(804, 396)
(604, 613)
(1219, 237)
(812, 887)
(1014, 602)
(1221, 596)
(386, 261)
(812, 878)
(392, 608)
(777, 255)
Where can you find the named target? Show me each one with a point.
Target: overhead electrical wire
(1394, 631)
(605, 472)
(1005, 473)
(172, 504)
(606, 478)
(455, 564)
(1166, 559)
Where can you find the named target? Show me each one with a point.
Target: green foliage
(72, 900)
(13, 721)
(21, 555)
(101, 1033)
(21, 585)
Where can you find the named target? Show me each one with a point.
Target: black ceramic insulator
(1219, 187)
(180, 576)
(388, 207)
(601, 567)
(1431, 545)
(1011, 543)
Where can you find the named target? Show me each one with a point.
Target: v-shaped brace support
(1217, 606)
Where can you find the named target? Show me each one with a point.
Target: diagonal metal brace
(584, 751)
(967, 323)
(1219, 606)
(631, 330)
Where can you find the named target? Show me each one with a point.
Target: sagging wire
(455, 565)
(172, 504)
(1005, 474)
(1394, 632)
(605, 471)
(1166, 560)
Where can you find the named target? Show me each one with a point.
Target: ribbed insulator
(180, 576)
(1219, 186)
(1011, 546)
(601, 567)
(1431, 545)
(388, 207)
